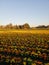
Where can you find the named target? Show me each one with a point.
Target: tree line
(24, 26)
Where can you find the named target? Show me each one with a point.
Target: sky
(33, 12)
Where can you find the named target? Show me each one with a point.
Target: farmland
(34, 31)
(24, 47)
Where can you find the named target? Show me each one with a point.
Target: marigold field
(24, 47)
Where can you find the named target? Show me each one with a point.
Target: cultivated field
(24, 47)
(34, 31)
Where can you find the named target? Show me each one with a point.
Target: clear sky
(34, 12)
